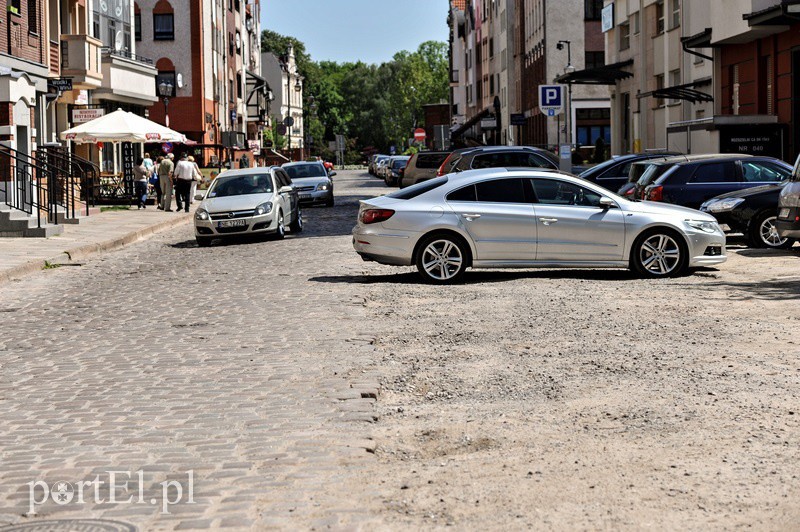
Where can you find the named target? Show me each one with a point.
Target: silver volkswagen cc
(509, 218)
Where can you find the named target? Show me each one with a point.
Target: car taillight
(656, 193)
(441, 171)
(402, 171)
(373, 216)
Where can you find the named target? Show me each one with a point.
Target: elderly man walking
(184, 175)
(165, 171)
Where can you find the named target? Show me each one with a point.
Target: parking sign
(551, 99)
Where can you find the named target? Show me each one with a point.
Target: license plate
(232, 223)
(784, 213)
(305, 196)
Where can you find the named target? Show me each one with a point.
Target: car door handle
(471, 217)
(549, 221)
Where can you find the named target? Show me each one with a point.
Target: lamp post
(165, 91)
(569, 70)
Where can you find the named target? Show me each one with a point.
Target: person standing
(154, 180)
(140, 183)
(184, 175)
(198, 176)
(165, 175)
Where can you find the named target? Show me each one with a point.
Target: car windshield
(299, 171)
(796, 171)
(240, 185)
(399, 163)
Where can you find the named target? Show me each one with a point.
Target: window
(763, 172)
(595, 59)
(14, 6)
(463, 194)
(33, 16)
(674, 81)
(659, 17)
(491, 48)
(137, 26)
(510, 160)
(659, 102)
(501, 191)
(416, 190)
(624, 36)
(636, 23)
(557, 192)
(592, 9)
(163, 27)
(676, 13)
(715, 173)
(239, 86)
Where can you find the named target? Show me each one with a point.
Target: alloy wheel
(660, 254)
(769, 233)
(442, 260)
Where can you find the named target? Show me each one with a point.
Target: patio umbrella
(121, 126)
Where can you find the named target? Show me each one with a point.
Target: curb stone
(75, 254)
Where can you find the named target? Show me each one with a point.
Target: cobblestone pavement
(167, 359)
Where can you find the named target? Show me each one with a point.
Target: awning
(698, 40)
(785, 13)
(121, 126)
(463, 128)
(604, 75)
(681, 92)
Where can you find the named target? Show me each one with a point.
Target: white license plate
(305, 196)
(784, 213)
(232, 223)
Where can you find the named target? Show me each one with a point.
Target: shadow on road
(772, 289)
(766, 252)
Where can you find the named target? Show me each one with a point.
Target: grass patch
(110, 208)
(50, 266)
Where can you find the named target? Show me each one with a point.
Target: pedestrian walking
(198, 176)
(165, 176)
(154, 181)
(140, 183)
(184, 175)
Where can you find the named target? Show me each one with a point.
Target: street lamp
(165, 91)
(569, 69)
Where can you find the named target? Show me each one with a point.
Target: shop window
(624, 36)
(164, 27)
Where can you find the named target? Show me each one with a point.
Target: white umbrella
(121, 126)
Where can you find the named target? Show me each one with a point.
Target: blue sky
(350, 30)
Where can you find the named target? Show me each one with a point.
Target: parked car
(694, 181)
(788, 221)
(505, 157)
(422, 166)
(752, 212)
(373, 163)
(248, 201)
(449, 163)
(635, 173)
(380, 167)
(613, 174)
(312, 181)
(393, 170)
(530, 218)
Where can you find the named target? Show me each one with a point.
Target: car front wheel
(763, 233)
(297, 224)
(280, 231)
(442, 259)
(659, 253)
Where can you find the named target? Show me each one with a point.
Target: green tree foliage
(374, 106)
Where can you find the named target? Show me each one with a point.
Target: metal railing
(127, 55)
(75, 178)
(26, 186)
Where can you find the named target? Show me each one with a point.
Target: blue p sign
(551, 99)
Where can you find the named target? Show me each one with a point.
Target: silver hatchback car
(505, 218)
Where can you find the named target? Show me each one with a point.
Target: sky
(371, 31)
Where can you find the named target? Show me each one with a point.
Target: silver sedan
(503, 218)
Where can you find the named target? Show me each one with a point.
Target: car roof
(297, 163)
(489, 173)
(259, 170)
(488, 149)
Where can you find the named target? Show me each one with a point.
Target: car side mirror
(285, 190)
(199, 197)
(607, 203)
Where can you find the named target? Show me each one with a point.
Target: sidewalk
(97, 233)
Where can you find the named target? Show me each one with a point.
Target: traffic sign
(281, 129)
(551, 99)
(419, 135)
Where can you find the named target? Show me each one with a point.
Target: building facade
(286, 83)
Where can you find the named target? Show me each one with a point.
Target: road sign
(419, 135)
(551, 99)
(288, 121)
(281, 129)
(340, 143)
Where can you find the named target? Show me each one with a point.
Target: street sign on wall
(517, 119)
(81, 116)
(551, 99)
(128, 162)
(607, 18)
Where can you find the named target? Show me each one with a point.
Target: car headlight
(724, 205)
(322, 186)
(703, 225)
(201, 214)
(264, 208)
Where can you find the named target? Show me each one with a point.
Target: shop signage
(153, 136)
(488, 123)
(607, 18)
(81, 116)
(128, 161)
(254, 147)
(71, 136)
(59, 85)
(766, 141)
(518, 119)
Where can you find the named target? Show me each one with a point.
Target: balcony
(80, 60)
(127, 78)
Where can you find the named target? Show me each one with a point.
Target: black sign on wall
(764, 140)
(128, 162)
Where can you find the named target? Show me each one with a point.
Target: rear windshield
(652, 173)
(418, 189)
(425, 160)
(399, 163)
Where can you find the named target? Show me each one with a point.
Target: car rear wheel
(442, 259)
(763, 233)
(297, 224)
(659, 253)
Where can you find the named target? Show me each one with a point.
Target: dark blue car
(691, 183)
(613, 174)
